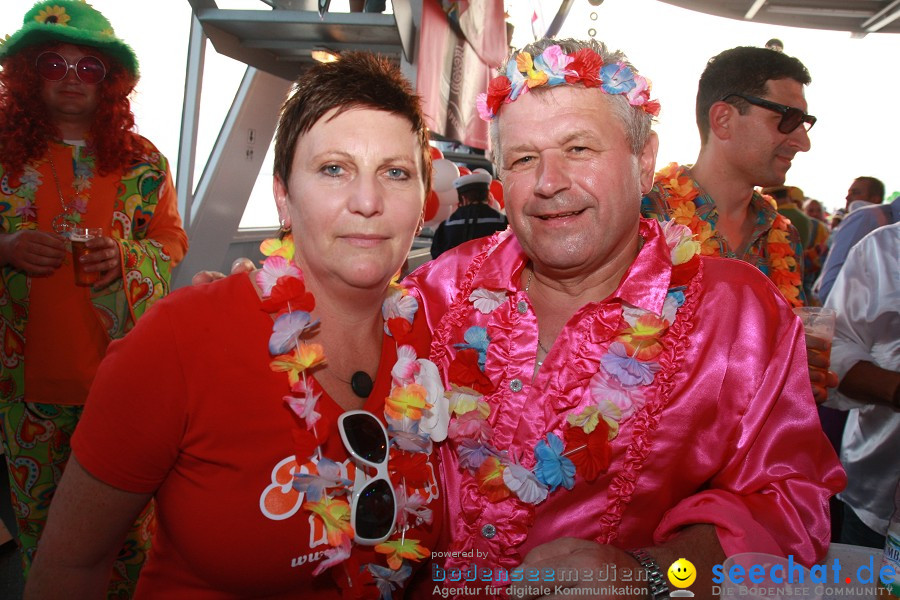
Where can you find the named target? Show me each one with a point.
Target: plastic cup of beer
(79, 237)
(818, 325)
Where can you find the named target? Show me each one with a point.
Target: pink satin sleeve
(775, 469)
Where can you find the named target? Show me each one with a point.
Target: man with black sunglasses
(69, 158)
(751, 113)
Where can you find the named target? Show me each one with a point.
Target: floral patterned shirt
(60, 329)
(774, 244)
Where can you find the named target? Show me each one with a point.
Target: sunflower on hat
(53, 14)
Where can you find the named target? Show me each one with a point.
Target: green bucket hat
(72, 22)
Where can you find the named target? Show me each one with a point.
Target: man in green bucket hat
(72, 173)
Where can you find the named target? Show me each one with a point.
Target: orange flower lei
(682, 192)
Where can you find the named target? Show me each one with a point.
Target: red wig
(26, 128)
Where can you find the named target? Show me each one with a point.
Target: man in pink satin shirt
(616, 401)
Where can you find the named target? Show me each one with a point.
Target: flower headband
(555, 67)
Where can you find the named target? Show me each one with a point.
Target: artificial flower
(641, 340)
(274, 268)
(287, 329)
(465, 372)
(397, 550)
(328, 475)
(335, 516)
(275, 247)
(463, 400)
(288, 292)
(552, 468)
(589, 452)
(398, 304)
(485, 300)
(388, 580)
(469, 426)
(435, 419)
(609, 389)
(406, 367)
(411, 468)
(553, 62)
(305, 356)
(305, 405)
(405, 434)
(406, 401)
(334, 556)
(680, 240)
(477, 339)
(517, 80)
(585, 68)
(587, 419)
(524, 484)
(411, 510)
(525, 65)
(472, 453)
(488, 104)
(55, 15)
(399, 329)
(617, 78)
(630, 371)
(611, 415)
(490, 480)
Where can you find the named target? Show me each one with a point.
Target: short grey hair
(636, 121)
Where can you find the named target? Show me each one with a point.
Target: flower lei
(554, 67)
(415, 411)
(617, 389)
(682, 191)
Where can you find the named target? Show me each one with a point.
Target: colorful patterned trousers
(36, 444)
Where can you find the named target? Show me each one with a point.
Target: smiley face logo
(682, 573)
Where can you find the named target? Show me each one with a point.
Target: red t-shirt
(207, 431)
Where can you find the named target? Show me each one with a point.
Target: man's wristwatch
(656, 581)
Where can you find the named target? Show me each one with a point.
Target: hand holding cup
(96, 258)
(818, 325)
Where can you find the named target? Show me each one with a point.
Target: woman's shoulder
(223, 299)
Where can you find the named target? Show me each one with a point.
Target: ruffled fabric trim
(440, 341)
(645, 421)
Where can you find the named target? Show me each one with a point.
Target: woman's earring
(283, 230)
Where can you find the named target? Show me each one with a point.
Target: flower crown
(555, 67)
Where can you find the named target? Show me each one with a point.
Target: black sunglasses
(373, 508)
(54, 67)
(791, 117)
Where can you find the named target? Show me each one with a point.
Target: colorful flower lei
(617, 389)
(416, 413)
(681, 192)
(554, 67)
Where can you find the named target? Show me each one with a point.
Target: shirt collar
(644, 285)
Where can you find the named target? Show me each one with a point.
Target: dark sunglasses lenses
(793, 118)
(54, 67)
(375, 511)
(365, 435)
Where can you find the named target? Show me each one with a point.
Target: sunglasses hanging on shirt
(54, 67)
(373, 507)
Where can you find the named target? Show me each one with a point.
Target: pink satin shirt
(728, 435)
